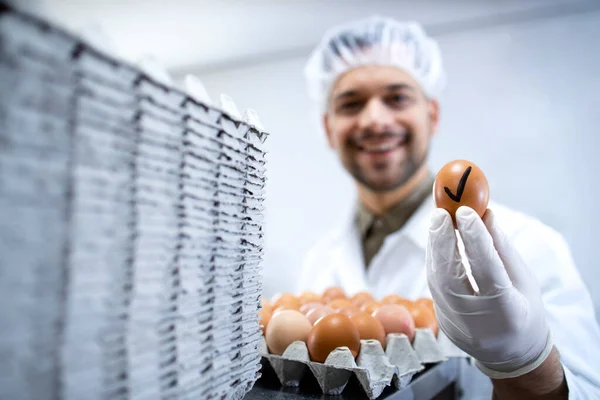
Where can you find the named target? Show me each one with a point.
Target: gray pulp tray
(437, 381)
(374, 368)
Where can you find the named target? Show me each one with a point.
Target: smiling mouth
(381, 146)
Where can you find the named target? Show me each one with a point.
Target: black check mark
(461, 186)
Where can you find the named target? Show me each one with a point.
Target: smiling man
(530, 325)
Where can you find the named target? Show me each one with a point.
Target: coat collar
(415, 229)
(417, 226)
(396, 217)
(348, 252)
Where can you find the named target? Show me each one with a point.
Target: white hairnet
(374, 41)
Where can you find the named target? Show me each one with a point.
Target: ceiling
(207, 35)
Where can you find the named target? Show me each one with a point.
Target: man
(530, 324)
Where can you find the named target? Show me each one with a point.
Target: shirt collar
(396, 217)
(364, 219)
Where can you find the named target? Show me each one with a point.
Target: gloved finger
(486, 266)
(453, 329)
(452, 302)
(445, 271)
(513, 263)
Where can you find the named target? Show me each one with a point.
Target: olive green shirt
(374, 229)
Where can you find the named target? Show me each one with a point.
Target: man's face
(380, 124)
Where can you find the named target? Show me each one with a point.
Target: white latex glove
(503, 325)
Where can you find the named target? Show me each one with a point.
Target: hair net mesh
(374, 41)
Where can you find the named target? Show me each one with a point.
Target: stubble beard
(399, 177)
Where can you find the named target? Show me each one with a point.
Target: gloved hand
(503, 325)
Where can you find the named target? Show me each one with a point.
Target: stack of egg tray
(131, 230)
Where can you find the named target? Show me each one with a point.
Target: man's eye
(399, 98)
(399, 101)
(350, 106)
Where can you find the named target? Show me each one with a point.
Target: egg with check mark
(461, 183)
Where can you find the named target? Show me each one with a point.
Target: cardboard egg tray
(374, 368)
(134, 214)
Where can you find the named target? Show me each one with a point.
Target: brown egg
(285, 328)
(339, 303)
(288, 299)
(267, 305)
(361, 298)
(331, 332)
(348, 311)
(371, 307)
(265, 316)
(461, 183)
(369, 327)
(424, 318)
(395, 299)
(333, 293)
(396, 319)
(305, 308)
(390, 299)
(316, 313)
(309, 297)
(426, 302)
(408, 304)
(287, 306)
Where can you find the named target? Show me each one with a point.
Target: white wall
(521, 102)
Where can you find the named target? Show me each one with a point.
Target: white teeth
(380, 148)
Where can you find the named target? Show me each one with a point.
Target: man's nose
(376, 116)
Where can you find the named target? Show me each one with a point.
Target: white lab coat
(399, 267)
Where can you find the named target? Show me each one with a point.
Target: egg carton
(198, 210)
(218, 152)
(104, 124)
(174, 117)
(169, 144)
(214, 217)
(24, 182)
(37, 94)
(152, 149)
(218, 187)
(230, 132)
(210, 182)
(94, 137)
(374, 368)
(235, 210)
(201, 160)
(105, 91)
(193, 187)
(22, 128)
(24, 62)
(209, 136)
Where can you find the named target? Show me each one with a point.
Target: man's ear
(434, 115)
(327, 130)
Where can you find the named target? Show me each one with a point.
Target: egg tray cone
(374, 368)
